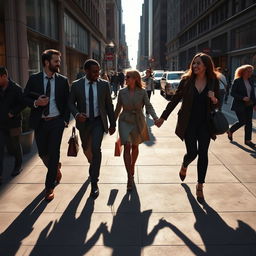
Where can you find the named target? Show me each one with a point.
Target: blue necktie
(91, 103)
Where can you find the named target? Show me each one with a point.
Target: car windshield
(158, 74)
(174, 76)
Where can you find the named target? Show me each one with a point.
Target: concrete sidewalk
(160, 217)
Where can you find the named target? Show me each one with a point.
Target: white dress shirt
(53, 110)
(95, 97)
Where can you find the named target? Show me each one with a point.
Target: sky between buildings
(131, 19)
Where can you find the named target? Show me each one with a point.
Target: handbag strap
(73, 131)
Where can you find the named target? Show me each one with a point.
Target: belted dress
(132, 124)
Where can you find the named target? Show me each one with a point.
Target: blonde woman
(244, 102)
(133, 129)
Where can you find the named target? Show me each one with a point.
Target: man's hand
(81, 117)
(246, 98)
(42, 101)
(10, 115)
(111, 130)
(159, 122)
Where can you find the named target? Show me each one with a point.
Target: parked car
(169, 83)
(157, 75)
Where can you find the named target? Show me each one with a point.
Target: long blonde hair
(240, 70)
(136, 76)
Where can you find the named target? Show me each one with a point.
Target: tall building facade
(159, 25)
(225, 29)
(143, 42)
(75, 27)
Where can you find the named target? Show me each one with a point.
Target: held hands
(246, 98)
(212, 97)
(81, 117)
(159, 122)
(111, 130)
(42, 101)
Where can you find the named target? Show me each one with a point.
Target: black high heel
(183, 173)
(230, 135)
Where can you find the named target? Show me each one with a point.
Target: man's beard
(54, 69)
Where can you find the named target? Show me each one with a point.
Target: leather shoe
(250, 144)
(182, 173)
(230, 135)
(59, 174)
(49, 195)
(94, 191)
(16, 171)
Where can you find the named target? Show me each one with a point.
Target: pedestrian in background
(91, 104)
(223, 86)
(149, 83)
(199, 92)
(132, 126)
(11, 105)
(47, 93)
(243, 103)
(114, 80)
(121, 78)
(81, 73)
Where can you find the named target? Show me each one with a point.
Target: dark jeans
(221, 98)
(197, 140)
(96, 131)
(15, 147)
(244, 119)
(48, 137)
(149, 94)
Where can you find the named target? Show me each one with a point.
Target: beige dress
(132, 124)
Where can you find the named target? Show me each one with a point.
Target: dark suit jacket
(185, 92)
(77, 102)
(239, 91)
(11, 101)
(35, 88)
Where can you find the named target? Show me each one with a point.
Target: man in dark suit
(90, 103)
(11, 105)
(47, 94)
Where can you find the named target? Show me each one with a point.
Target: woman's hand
(212, 97)
(159, 122)
(246, 98)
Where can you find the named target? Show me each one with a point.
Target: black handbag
(73, 146)
(219, 122)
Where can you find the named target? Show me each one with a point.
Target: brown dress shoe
(49, 195)
(59, 174)
(183, 173)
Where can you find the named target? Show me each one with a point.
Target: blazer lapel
(99, 93)
(41, 83)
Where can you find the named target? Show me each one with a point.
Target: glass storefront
(2, 37)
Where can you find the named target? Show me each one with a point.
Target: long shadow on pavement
(67, 236)
(217, 236)
(251, 151)
(128, 233)
(21, 227)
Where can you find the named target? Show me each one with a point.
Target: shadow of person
(217, 236)
(11, 239)
(127, 235)
(67, 235)
(152, 140)
(251, 151)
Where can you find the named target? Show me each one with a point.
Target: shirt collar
(45, 75)
(88, 81)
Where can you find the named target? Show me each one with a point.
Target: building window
(75, 35)
(42, 17)
(243, 36)
(2, 44)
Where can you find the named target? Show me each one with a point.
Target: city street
(160, 217)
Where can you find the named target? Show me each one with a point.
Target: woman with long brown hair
(132, 126)
(198, 91)
(244, 102)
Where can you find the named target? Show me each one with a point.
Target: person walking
(199, 92)
(11, 105)
(223, 86)
(46, 93)
(243, 103)
(91, 104)
(149, 82)
(115, 83)
(132, 126)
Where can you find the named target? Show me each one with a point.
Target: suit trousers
(244, 119)
(197, 140)
(95, 132)
(14, 146)
(48, 137)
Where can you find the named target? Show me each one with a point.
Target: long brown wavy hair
(207, 61)
(136, 76)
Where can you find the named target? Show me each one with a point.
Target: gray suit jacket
(77, 103)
